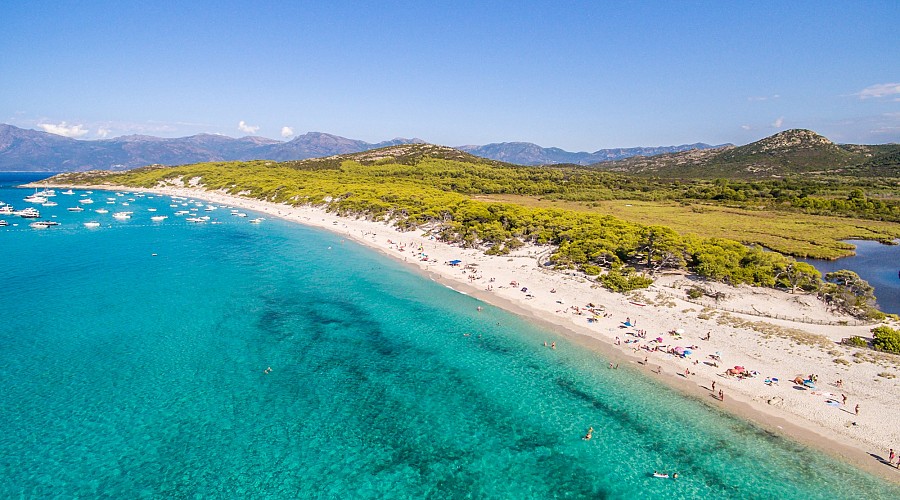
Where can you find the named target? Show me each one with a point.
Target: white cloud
(247, 129)
(763, 98)
(778, 122)
(103, 132)
(746, 127)
(879, 90)
(63, 129)
(287, 132)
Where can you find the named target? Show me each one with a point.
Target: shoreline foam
(801, 415)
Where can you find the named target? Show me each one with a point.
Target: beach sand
(780, 348)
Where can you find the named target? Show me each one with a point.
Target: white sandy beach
(780, 348)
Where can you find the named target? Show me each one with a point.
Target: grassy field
(793, 234)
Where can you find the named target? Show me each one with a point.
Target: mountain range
(33, 150)
(791, 152)
(526, 153)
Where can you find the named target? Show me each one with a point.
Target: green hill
(787, 153)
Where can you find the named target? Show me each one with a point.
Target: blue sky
(576, 75)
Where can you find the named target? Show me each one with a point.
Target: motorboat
(75, 209)
(151, 210)
(43, 224)
(122, 215)
(28, 213)
(159, 218)
(34, 198)
(6, 210)
(92, 224)
(3, 223)
(86, 201)
(68, 191)
(49, 203)
(256, 220)
(102, 211)
(195, 219)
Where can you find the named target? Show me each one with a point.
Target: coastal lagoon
(273, 360)
(875, 262)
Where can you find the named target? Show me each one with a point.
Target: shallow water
(126, 374)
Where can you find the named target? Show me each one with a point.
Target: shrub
(624, 280)
(855, 341)
(695, 293)
(886, 339)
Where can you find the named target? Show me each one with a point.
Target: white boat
(102, 211)
(159, 218)
(181, 212)
(86, 201)
(28, 213)
(75, 209)
(49, 203)
(110, 199)
(122, 215)
(195, 219)
(6, 210)
(43, 224)
(256, 220)
(3, 223)
(92, 224)
(151, 210)
(241, 214)
(34, 198)
(69, 191)
(209, 208)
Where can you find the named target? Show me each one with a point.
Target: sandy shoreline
(772, 347)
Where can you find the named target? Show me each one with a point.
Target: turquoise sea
(133, 363)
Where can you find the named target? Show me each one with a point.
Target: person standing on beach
(721, 395)
(844, 397)
(891, 459)
(857, 410)
(714, 386)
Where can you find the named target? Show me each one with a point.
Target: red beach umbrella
(739, 368)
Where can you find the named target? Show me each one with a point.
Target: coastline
(751, 341)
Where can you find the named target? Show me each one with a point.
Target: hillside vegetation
(784, 154)
(433, 188)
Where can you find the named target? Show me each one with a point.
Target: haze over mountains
(33, 150)
(790, 152)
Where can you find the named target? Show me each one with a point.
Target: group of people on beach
(891, 458)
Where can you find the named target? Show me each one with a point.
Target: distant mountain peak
(797, 138)
(791, 152)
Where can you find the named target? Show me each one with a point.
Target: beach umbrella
(679, 350)
(687, 352)
(680, 331)
(739, 368)
(659, 339)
